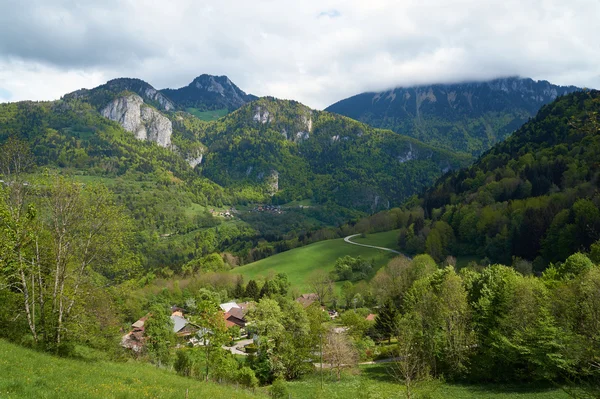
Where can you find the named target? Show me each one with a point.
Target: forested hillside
(283, 148)
(534, 196)
(463, 117)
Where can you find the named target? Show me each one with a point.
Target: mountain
(463, 117)
(101, 95)
(208, 92)
(286, 150)
(534, 196)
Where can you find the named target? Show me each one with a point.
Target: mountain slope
(464, 117)
(285, 149)
(534, 196)
(208, 92)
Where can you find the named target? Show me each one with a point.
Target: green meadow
(375, 382)
(208, 115)
(25, 373)
(299, 263)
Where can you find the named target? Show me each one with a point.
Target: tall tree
(58, 248)
(212, 331)
(386, 319)
(321, 284)
(252, 290)
(158, 329)
(339, 353)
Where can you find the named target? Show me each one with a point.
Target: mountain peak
(210, 92)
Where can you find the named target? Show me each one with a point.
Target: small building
(370, 317)
(307, 299)
(235, 317)
(226, 307)
(135, 339)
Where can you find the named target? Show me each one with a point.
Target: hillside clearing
(299, 263)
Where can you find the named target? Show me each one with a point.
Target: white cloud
(316, 52)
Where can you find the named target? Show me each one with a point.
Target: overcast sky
(313, 51)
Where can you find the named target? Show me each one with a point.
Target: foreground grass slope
(375, 382)
(299, 263)
(25, 373)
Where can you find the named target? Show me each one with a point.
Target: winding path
(347, 239)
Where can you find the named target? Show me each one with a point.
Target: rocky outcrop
(143, 121)
(157, 96)
(262, 115)
(195, 159)
(273, 182)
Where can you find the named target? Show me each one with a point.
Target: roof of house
(228, 323)
(139, 325)
(307, 299)
(370, 317)
(238, 313)
(226, 307)
(178, 323)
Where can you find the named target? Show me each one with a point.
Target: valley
(144, 231)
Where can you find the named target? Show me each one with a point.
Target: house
(235, 317)
(177, 311)
(134, 339)
(307, 299)
(226, 307)
(370, 317)
(235, 314)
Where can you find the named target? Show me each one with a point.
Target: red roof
(370, 317)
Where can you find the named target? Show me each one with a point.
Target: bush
(247, 378)
(279, 389)
(251, 348)
(183, 363)
(386, 352)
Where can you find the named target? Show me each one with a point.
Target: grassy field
(387, 239)
(208, 115)
(28, 374)
(299, 263)
(374, 382)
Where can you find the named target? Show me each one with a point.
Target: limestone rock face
(157, 96)
(143, 121)
(273, 182)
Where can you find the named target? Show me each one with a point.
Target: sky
(314, 51)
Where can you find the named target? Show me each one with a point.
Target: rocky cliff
(145, 122)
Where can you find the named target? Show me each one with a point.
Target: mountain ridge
(468, 117)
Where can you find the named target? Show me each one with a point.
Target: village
(233, 314)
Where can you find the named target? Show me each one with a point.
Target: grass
(25, 373)
(387, 239)
(208, 115)
(299, 263)
(375, 382)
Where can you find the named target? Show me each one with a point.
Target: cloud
(330, 14)
(317, 52)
